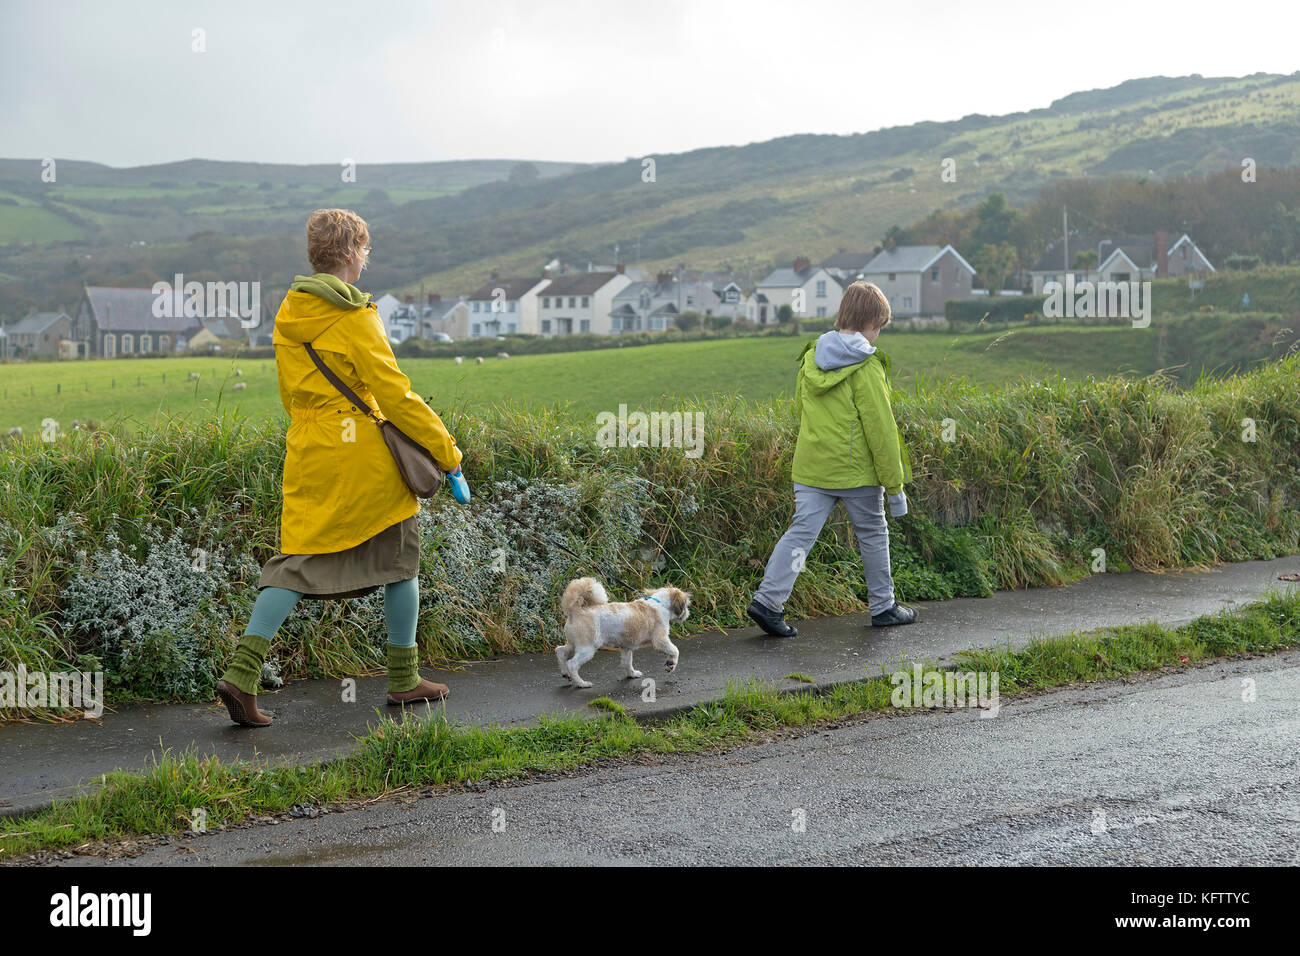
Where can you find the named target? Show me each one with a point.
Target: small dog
(591, 622)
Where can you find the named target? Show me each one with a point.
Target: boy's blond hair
(863, 307)
(332, 236)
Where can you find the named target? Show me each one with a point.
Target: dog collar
(651, 597)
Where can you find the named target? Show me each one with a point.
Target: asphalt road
(1175, 769)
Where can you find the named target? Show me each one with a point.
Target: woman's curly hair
(332, 236)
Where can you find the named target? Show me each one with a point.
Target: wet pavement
(43, 762)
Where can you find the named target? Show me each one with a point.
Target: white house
(504, 306)
(409, 320)
(918, 280)
(1120, 259)
(579, 302)
(809, 290)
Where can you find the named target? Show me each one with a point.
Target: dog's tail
(582, 592)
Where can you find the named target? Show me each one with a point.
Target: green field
(644, 377)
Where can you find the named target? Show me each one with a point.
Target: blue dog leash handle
(459, 486)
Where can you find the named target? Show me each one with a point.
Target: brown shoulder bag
(414, 463)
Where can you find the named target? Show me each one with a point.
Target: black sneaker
(772, 622)
(898, 614)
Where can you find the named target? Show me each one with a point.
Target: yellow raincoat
(341, 485)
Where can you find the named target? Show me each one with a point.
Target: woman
(348, 522)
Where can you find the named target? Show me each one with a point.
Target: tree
(1085, 259)
(995, 222)
(995, 263)
(784, 314)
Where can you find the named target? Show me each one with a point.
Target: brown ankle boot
(242, 707)
(425, 690)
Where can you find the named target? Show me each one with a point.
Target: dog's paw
(582, 683)
(670, 666)
(633, 675)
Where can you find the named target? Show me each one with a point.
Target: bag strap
(337, 382)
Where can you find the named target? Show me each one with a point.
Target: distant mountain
(444, 226)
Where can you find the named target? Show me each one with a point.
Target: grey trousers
(812, 506)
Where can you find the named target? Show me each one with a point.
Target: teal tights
(401, 609)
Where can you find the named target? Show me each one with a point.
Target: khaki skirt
(390, 556)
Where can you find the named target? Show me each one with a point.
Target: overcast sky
(376, 81)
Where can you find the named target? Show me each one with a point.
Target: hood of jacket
(833, 357)
(314, 303)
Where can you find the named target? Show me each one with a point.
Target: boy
(849, 449)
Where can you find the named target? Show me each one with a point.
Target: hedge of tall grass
(139, 553)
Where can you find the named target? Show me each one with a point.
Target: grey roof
(902, 259)
(515, 288)
(849, 261)
(788, 278)
(1141, 250)
(578, 283)
(224, 327)
(37, 322)
(131, 310)
(657, 290)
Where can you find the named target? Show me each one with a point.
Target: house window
(146, 343)
(128, 343)
(476, 306)
(907, 301)
(573, 302)
(584, 325)
(934, 274)
(163, 343)
(821, 288)
(586, 301)
(513, 303)
(511, 328)
(656, 325)
(475, 331)
(821, 311)
(893, 276)
(1184, 253)
(616, 324)
(546, 302)
(546, 326)
(110, 345)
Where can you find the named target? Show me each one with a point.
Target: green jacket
(847, 434)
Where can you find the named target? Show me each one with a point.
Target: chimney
(410, 298)
(1162, 253)
(620, 268)
(434, 297)
(664, 278)
(801, 263)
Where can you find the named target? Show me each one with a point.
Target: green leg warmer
(403, 674)
(245, 670)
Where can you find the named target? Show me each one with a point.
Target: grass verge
(396, 756)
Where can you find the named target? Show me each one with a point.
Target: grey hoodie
(837, 349)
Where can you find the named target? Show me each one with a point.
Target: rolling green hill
(444, 226)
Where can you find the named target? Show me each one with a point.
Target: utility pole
(1065, 239)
